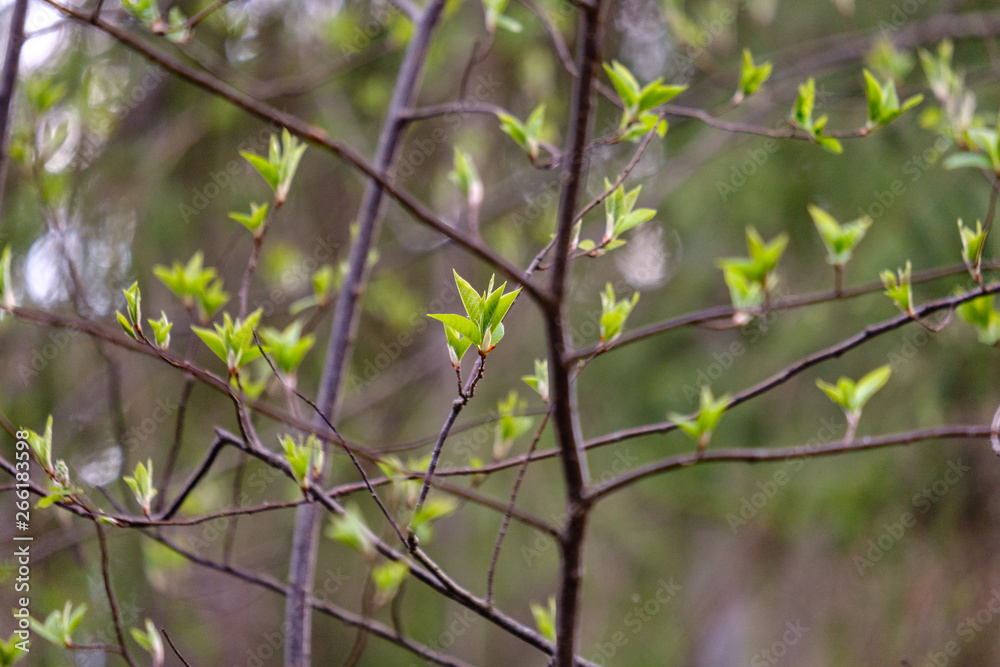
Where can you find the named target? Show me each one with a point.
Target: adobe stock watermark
(639, 617)
(893, 532)
(966, 631)
(274, 642)
(219, 181)
(623, 461)
(41, 357)
(773, 654)
(752, 332)
(740, 173)
(456, 626)
(751, 505)
(915, 167)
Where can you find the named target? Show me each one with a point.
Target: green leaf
(656, 93)
(868, 385)
(852, 396)
(161, 330)
(873, 91)
(254, 221)
(471, 301)
(350, 529)
(545, 618)
(984, 317)
(839, 240)
(614, 313)
(802, 111)
(41, 445)
(150, 642)
(752, 76)
(142, 487)
(623, 82)
(465, 175)
(898, 287)
(462, 325)
(289, 347)
(126, 325)
(962, 160)
(263, 167)
(540, 380)
(710, 411)
(432, 510)
(388, 577)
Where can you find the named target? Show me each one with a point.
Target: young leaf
(972, 247)
(41, 445)
(752, 76)
(510, 427)
(852, 396)
(545, 618)
(465, 175)
(710, 412)
(984, 317)
(161, 330)
(898, 287)
(350, 529)
(839, 240)
(142, 487)
(150, 642)
(254, 221)
(388, 577)
(305, 459)
(540, 380)
(289, 347)
(614, 313)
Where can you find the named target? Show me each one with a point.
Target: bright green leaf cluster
(983, 151)
(614, 313)
(540, 380)
(161, 330)
(944, 81)
(231, 341)
(495, 17)
(839, 240)
(619, 217)
(750, 278)
(752, 76)
(289, 347)
(305, 458)
(387, 578)
(465, 175)
(852, 396)
(142, 485)
(59, 626)
(984, 317)
(150, 642)
(898, 287)
(350, 529)
(526, 134)
(278, 168)
(194, 285)
(254, 221)
(802, 116)
(710, 411)
(545, 618)
(511, 426)
(638, 119)
(58, 472)
(10, 652)
(132, 324)
(484, 325)
(883, 101)
(972, 247)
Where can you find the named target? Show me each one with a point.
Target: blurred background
(120, 166)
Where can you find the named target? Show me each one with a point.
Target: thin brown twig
(505, 524)
(174, 648)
